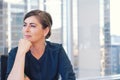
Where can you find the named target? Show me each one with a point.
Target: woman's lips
(27, 36)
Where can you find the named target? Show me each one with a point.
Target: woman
(35, 57)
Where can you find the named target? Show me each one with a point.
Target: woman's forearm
(17, 72)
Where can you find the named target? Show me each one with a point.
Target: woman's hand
(24, 46)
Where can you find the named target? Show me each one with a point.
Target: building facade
(106, 63)
(115, 50)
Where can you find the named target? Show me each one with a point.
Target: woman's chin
(27, 38)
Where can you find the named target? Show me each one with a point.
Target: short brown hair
(44, 18)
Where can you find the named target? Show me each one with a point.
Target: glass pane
(54, 8)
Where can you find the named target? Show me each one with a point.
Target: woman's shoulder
(53, 45)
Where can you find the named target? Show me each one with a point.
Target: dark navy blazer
(53, 62)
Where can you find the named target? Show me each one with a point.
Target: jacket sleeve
(65, 66)
(10, 61)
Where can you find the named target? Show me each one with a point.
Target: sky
(115, 17)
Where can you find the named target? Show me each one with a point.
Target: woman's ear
(46, 31)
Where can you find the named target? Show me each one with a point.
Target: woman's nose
(27, 28)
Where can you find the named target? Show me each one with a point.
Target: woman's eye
(33, 26)
(24, 25)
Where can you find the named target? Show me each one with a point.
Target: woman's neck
(38, 49)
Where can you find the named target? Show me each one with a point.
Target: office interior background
(88, 30)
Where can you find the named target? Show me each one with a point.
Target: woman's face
(32, 30)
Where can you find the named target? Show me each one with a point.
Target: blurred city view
(88, 30)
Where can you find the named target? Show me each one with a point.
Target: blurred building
(1, 28)
(115, 50)
(106, 64)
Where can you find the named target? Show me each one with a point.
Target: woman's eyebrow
(30, 23)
